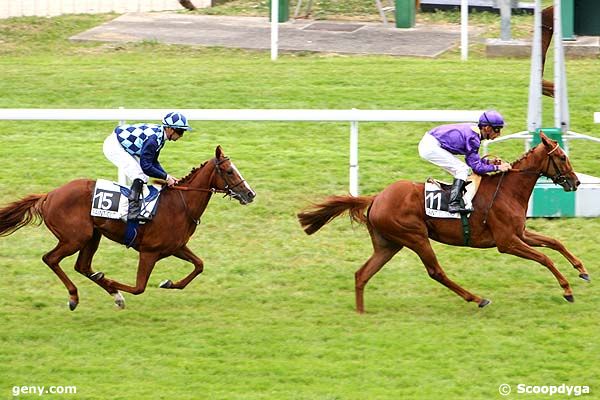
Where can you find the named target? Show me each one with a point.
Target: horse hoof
(569, 298)
(72, 305)
(96, 276)
(119, 300)
(585, 277)
(167, 284)
(484, 302)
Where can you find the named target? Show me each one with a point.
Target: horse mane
(523, 157)
(191, 173)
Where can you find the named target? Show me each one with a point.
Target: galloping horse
(396, 218)
(66, 213)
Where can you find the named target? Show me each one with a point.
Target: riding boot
(456, 198)
(135, 206)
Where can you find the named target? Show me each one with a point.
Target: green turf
(272, 316)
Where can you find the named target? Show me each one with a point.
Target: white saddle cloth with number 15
(110, 200)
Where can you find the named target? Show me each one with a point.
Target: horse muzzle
(245, 197)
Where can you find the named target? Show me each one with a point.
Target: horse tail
(332, 207)
(20, 213)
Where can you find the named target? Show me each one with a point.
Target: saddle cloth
(110, 200)
(437, 194)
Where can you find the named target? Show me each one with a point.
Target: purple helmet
(491, 118)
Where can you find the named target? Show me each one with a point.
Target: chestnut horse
(66, 213)
(396, 218)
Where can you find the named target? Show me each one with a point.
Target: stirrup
(459, 209)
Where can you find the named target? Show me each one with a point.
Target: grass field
(272, 316)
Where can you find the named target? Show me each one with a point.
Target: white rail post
(274, 29)
(353, 173)
(120, 173)
(561, 103)
(464, 30)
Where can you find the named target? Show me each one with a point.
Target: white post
(274, 28)
(561, 103)
(353, 158)
(534, 113)
(505, 11)
(464, 30)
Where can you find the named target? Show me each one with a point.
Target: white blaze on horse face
(245, 184)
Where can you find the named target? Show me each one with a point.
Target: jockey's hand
(171, 180)
(504, 166)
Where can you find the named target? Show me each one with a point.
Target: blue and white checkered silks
(176, 120)
(132, 137)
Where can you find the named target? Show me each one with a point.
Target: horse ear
(218, 152)
(547, 142)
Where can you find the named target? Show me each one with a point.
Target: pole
(561, 103)
(274, 29)
(464, 30)
(353, 173)
(505, 10)
(534, 112)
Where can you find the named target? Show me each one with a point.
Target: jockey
(440, 144)
(135, 149)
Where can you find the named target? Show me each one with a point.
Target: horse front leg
(187, 255)
(425, 252)
(519, 248)
(145, 267)
(537, 240)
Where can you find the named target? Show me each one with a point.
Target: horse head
(229, 179)
(558, 167)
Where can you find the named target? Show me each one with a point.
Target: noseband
(228, 190)
(559, 177)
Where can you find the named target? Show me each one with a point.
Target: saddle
(437, 194)
(110, 201)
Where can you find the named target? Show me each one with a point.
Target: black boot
(135, 206)
(456, 198)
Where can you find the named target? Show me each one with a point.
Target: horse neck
(202, 178)
(529, 168)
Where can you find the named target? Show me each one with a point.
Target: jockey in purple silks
(440, 145)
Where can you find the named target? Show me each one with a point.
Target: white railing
(597, 117)
(353, 116)
(48, 8)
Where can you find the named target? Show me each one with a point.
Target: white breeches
(430, 150)
(127, 164)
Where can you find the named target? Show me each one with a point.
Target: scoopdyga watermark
(548, 390)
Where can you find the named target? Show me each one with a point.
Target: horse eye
(564, 158)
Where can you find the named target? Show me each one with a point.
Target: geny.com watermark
(549, 390)
(43, 390)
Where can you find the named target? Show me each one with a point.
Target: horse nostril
(251, 195)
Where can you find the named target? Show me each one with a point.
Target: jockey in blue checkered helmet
(177, 121)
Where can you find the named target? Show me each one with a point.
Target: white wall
(45, 8)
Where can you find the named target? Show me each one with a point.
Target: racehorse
(66, 213)
(396, 218)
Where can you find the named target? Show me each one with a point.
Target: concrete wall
(48, 8)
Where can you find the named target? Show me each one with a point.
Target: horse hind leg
(383, 251)
(425, 252)
(83, 265)
(53, 258)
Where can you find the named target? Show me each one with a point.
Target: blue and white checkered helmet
(176, 120)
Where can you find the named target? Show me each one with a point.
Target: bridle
(559, 176)
(227, 190)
